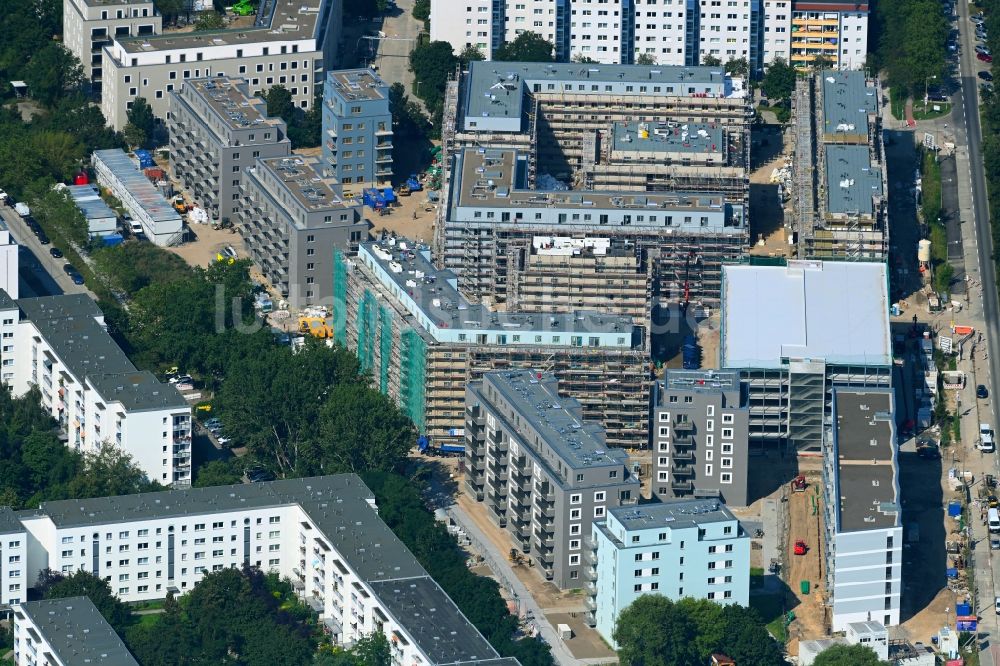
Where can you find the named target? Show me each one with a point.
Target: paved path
(400, 32)
(41, 274)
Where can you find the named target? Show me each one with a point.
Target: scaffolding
(339, 297)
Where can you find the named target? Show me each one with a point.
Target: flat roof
(497, 89)
(673, 513)
(277, 20)
(491, 178)
(836, 311)
(535, 397)
(671, 137)
(847, 102)
(851, 182)
(864, 441)
(701, 381)
(302, 180)
(89, 201)
(77, 632)
(138, 185)
(435, 294)
(358, 84)
(433, 620)
(232, 102)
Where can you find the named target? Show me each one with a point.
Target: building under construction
(840, 178)
(495, 227)
(423, 342)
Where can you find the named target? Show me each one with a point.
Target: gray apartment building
(218, 129)
(544, 473)
(700, 436)
(292, 219)
(90, 25)
(357, 127)
(291, 43)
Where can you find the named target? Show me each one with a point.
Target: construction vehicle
(404, 190)
(315, 326)
(244, 8)
(800, 547)
(413, 182)
(515, 557)
(179, 205)
(799, 484)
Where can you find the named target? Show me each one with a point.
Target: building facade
(321, 533)
(680, 548)
(291, 219)
(8, 274)
(700, 434)
(59, 345)
(863, 539)
(14, 576)
(545, 473)
(218, 129)
(64, 632)
(90, 25)
(357, 128)
(291, 43)
(115, 171)
(423, 342)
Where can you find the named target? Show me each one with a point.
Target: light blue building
(679, 548)
(357, 128)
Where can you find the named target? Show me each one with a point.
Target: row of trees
(909, 43)
(990, 118)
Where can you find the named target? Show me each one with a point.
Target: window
(598, 512)
(575, 498)
(574, 559)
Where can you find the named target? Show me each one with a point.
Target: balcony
(682, 486)
(684, 472)
(683, 457)
(684, 426)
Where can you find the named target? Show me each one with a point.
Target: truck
(22, 209)
(424, 446)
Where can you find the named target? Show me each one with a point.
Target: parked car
(994, 544)
(77, 278)
(984, 57)
(230, 251)
(177, 379)
(69, 269)
(982, 48)
(985, 438)
(985, 76)
(43, 239)
(56, 253)
(982, 392)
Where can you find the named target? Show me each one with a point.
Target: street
(40, 273)
(401, 31)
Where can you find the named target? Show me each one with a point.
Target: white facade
(599, 30)
(727, 29)
(663, 30)
(59, 345)
(777, 30)
(14, 580)
(837, 31)
(8, 262)
(322, 533)
(477, 23)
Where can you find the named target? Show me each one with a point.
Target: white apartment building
(66, 632)
(664, 30)
(322, 533)
(777, 30)
(291, 44)
(598, 29)
(477, 23)
(8, 262)
(59, 344)
(729, 29)
(14, 578)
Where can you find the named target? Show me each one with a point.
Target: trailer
(424, 446)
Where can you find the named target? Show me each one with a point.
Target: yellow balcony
(815, 22)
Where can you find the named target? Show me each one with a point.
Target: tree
(527, 47)
(737, 67)
(109, 471)
(847, 655)
(652, 631)
(51, 72)
(210, 20)
(422, 10)
(820, 63)
(432, 63)
(216, 473)
(165, 642)
(779, 80)
(580, 58)
(745, 639)
(171, 9)
(645, 59)
(85, 584)
(470, 53)
(710, 60)
(135, 137)
(141, 116)
(279, 103)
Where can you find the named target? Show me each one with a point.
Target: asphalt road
(393, 59)
(40, 273)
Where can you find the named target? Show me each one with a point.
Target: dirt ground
(810, 614)
(767, 216)
(207, 243)
(412, 218)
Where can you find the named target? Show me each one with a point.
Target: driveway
(400, 32)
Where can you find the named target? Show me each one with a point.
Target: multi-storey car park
(491, 222)
(290, 42)
(864, 533)
(797, 332)
(322, 533)
(218, 129)
(291, 218)
(423, 342)
(840, 177)
(545, 473)
(59, 345)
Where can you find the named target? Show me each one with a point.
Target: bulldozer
(315, 326)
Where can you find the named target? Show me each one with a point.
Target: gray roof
(90, 203)
(497, 89)
(433, 619)
(847, 102)
(77, 632)
(137, 391)
(9, 522)
(670, 137)
(6, 302)
(436, 295)
(231, 100)
(864, 441)
(851, 182)
(701, 381)
(300, 178)
(353, 85)
(672, 513)
(557, 420)
(135, 181)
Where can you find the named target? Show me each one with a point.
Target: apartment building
(218, 129)
(777, 31)
(291, 217)
(492, 220)
(476, 23)
(863, 539)
(322, 533)
(700, 434)
(14, 577)
(357, 128)
(423, 342)
(666, 31)
(8, 270)
(840, 174)
(730, 30)
(90, 25)
(66, 632)
(291, 43)
(545, 473)
(834, 30)
(161, 224)
(59, 345)
(680, 548)
(797, 332)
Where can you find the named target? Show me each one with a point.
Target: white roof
(830, 311)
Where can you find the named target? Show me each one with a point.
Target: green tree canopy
(645, 59)
(710, 60)
(847, 655)
(527, 47)
(217, 473)
(52, 72)
(470, 53)
(110, 471)
(210, 20)
(432, 63)
(279, 102)
(779, 80)
(85, 584)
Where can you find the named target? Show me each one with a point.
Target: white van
(986, 438)
(993, 520)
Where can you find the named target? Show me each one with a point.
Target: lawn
(929, 113)
(897, 104)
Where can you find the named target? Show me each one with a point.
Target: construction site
(839, 179)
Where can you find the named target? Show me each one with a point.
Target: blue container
(954, 509)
